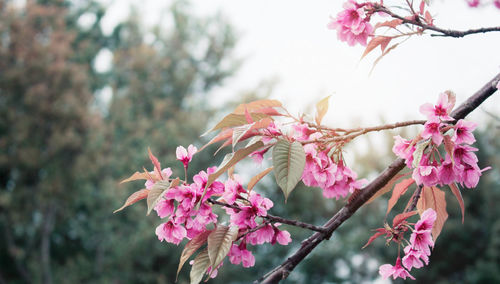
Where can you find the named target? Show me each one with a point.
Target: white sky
(288, 40)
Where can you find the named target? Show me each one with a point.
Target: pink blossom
(441, 110)
(260, 204)
(396, 271)
(184, 155)
(426, 221)
(431, 129)
(473, 3)
(164, 208)
(497, 4)
(463, 154)
(421, 241)
(240, 254)
(425, 173)
(282, 237)
(351, 24)
(413, 258)
(463, 132)
(170, 232)
(449, 172)
(263, 235)
(470, 175)
(232, 189)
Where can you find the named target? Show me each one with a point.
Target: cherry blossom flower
(282, 237)
(263, 235)
(426, 173)
(351, 24)
(473, 3)
(171, 232)
(449, 172)
(184, 155)
(164, 208)
(422, 241)
(232, 189)
(396, 271)
(240, 254)
(497, 4)
(431, 130)
(413, 258)
(441, 110)
(426, 221)
(463, 132)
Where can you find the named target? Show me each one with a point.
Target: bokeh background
(87, 86)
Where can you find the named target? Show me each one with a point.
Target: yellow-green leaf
(193, 245)
(289, 160)
(219, 243)
(419, 152)
(321, 109)
(156, 193)
(200, 266)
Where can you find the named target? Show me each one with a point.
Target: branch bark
(282, 271)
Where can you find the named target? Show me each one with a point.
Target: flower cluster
(418, 250)
(475, 3)
(184, 219)
(430, 168)
(334, 178)
(352, 24)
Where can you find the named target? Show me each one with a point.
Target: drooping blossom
(463, 132)
(239, 254)
(352, 24)
(421, 238)
(426, 221)
(281, 236)
(413, 258)
(449, 172)
(396, 271)
(497, 4)
(184, 155)
(441, 110)
(426, 173)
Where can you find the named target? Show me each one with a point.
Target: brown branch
(442, 32)
(415, 198)
(273, 218)
(282, 271)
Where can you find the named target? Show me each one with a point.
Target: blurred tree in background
(63, 149)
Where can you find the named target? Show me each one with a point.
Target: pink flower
(232, 189)
(170, 232)
(260, 204)
(440, 110)
(422, 241)
(426, 221)
(463, 132)
(164, 208)
(497, 4)
(431, 129)
(240, 254)
(473, 3)
(396, 271)
(263, 235)
(426, 173)
(282, 237)
(463, 154)
(449, 172)
(184, 155)
(470, 175)
(351, 24)
(412, 258)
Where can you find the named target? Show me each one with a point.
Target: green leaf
(200, 265)
(419, 152)
(219, 243)
(289, 160)
(156, 193)
(193, 245)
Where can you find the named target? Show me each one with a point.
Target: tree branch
(442, 32)
(282, 271)
(273, 218)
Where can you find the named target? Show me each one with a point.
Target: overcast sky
(289, 41)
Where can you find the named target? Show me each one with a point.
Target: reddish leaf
(257, 178)
(379, 233)
(387, 187)
(391, 24)
(223, 135)
(256, 105)
(428, 18)
(156, 163)
(248, 117)
(397, 192)
(422, 7)
(458, 195)
(133, 198)
(232, 120)
(191, 247)
(382, 55)
(398, 219)
(433, 197)
(449, 146)
(383, 41)
(136, 176)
